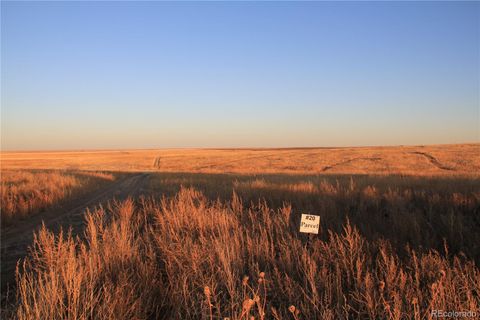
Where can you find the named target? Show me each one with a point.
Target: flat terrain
(16, 239)
(162, 234)
(463, 159)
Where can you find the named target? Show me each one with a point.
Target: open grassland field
(209, 234)
(23, 192)
(421, 160)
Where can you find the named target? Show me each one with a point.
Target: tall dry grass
(24, 192)
(423, 212)
(188, 257)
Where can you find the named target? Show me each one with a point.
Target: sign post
(309, 223)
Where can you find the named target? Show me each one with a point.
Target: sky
(107, 75)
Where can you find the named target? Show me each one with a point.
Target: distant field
(208, 234)
(461, 159)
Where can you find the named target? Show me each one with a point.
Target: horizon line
(233, 148)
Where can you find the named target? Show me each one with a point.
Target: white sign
(309, 223)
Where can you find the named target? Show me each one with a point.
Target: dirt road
(16, 239)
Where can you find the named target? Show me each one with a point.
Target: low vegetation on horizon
(214, 234)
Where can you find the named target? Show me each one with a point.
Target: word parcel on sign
(309, 223)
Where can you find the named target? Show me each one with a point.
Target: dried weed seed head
(207, 291)
(292, 309)
(381, 286)
(262, 275)
(248, 304)
(245, 280)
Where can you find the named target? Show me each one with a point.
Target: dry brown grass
(399, 237)
(420, 211)
(460, 159)
(25, 192)
(186, 257)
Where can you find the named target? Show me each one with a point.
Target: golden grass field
(24, 192)
(420, 160)
(213, 234)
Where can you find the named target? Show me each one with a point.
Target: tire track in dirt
(156, 162)
(16, 239)
(326, 168)
(433, 160)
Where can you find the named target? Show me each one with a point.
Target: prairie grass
(215, 234)
(25, 192)
(423, 212)
(456, 159)
(187, 256)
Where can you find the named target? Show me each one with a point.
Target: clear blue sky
(81, 75)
